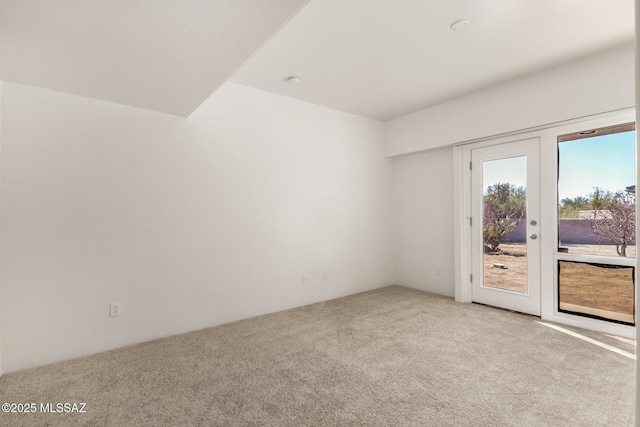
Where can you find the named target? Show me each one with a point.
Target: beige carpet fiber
(389, 357)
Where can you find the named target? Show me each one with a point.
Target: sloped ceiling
(167, 56)
(375, 58)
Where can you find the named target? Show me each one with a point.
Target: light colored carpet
(389, 357)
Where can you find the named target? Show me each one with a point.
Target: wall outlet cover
(114, 309)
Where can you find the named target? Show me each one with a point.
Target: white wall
(423, 200)
(593, 85)
(1, 369)
(188, 223)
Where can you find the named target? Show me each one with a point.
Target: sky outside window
(607, 162)
(512, 170)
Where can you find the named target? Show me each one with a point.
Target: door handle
(533, 236)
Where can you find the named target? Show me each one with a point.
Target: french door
(505, 225)
(546, 222)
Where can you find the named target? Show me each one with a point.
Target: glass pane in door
(504, 207)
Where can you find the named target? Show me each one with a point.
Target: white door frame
(548, 215)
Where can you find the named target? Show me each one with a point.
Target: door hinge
(470, 221)
(471, 278)
(470, 167)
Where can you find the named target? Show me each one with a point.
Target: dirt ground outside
(605, 292)
(512, 273)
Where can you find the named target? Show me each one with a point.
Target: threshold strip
(590, 340)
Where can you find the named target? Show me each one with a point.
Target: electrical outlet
(438, 272)
(305, 280)
(114, 309)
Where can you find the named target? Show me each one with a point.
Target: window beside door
(596, 223)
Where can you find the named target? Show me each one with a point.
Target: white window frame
(548, 217)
